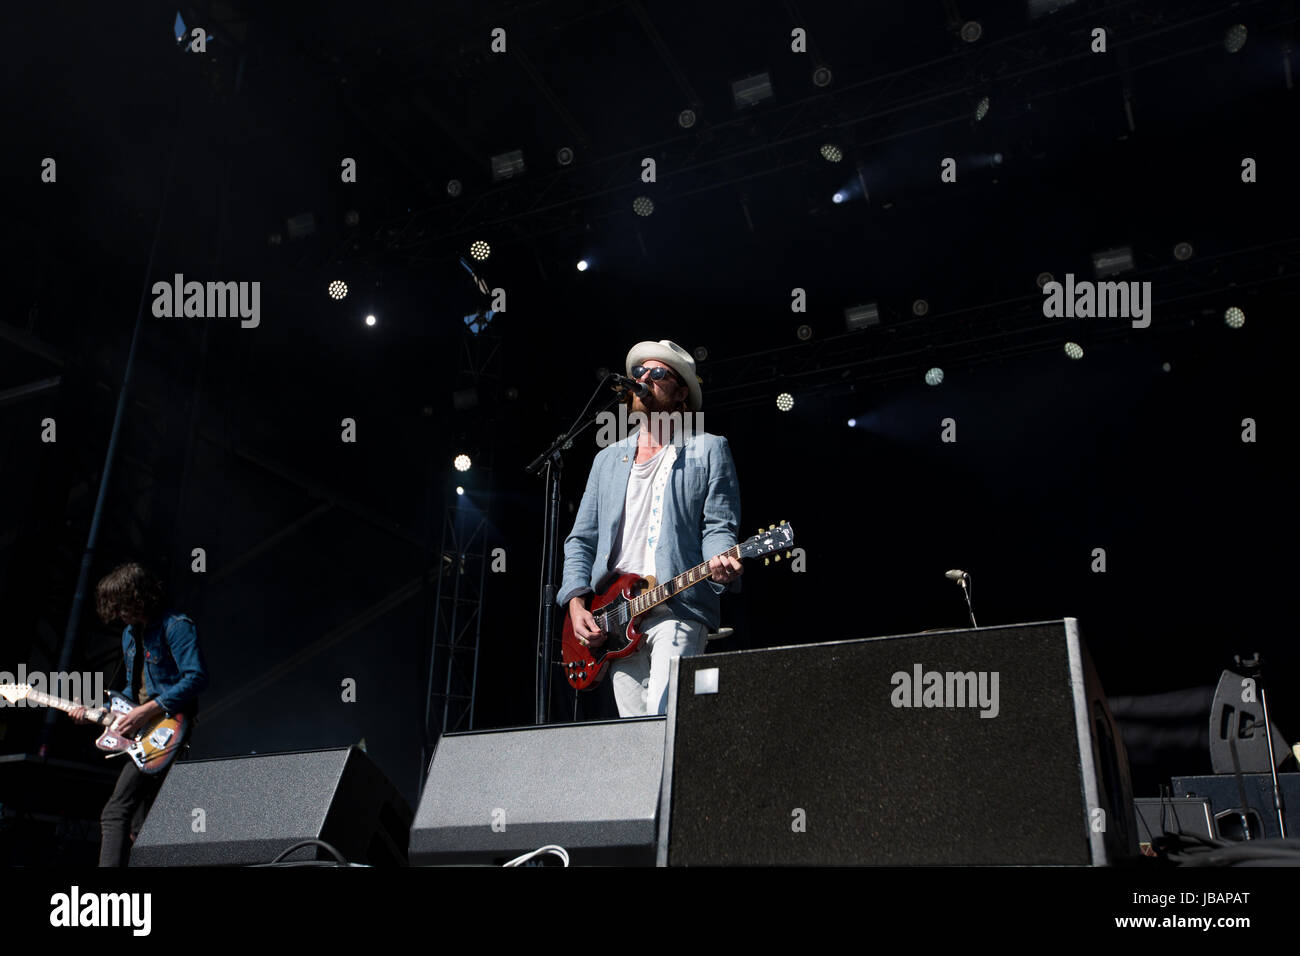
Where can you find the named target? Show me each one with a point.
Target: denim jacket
(174, 671)
(701, 517)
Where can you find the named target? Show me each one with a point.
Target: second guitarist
(656, 504)
(164, 665)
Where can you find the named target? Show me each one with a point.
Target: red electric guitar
(626, 598)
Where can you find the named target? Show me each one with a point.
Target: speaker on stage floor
(592, 788)
(247, 810)
(1224, 794)
(981, 746)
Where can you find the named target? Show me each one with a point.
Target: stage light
(861, 316)
(480, 250)
(971, 31)
(300, 226)
(934, 376)
(1235, 38)
(804, 332)
(1183, 251)
(831, 153)
(1234, 318)
(1111, 262)
(338, 289)
(920, 307)
(853, 423)
(997, 159)
(701, 353)
(460, 489)
(785, 401)
(453, 188)
(1074, 350)
(839, 197)
(686, 119)
(751, 91)
(351, 217)
(643, 205)
(508, 165)
(275, 239)
(564, 156)
(822, 76)
(1043, 279)
(583, 265)
(981, 109)
(370, 320)
(462, 462)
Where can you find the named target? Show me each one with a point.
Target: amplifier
(980, 746)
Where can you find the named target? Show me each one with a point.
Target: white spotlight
(981, 109)
(643, 205)
(1074, 350)
(462, 462)
(1234, 318)
(338, 289)
(853, 423)
(934, 376)
(370, 320)
(831, 153)
(460, 489)
(785, 401)
(583, 264)
(1235, 38)
(480, 250)
(839, 196)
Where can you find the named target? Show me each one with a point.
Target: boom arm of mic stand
(550, 552)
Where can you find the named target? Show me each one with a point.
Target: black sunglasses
(657, 374)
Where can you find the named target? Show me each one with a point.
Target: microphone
(955, 575)
(624, 384)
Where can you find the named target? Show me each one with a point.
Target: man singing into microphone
(657, 504)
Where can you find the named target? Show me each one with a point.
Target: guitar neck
(655, 596)
(65, 705)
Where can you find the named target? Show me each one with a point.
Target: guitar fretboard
(95, 714)
(657, 595)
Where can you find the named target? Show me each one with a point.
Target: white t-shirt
(643, 511)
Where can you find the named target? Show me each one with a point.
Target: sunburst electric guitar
(152, 749)
(625, 599)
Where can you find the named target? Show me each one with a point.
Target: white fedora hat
(677, 359)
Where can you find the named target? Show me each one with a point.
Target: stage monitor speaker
(247, 810)
(591, 788)
(1225, 801)
(981, 746)
(1172, 816)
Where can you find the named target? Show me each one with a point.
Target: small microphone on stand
(624, 384)
(962, 578)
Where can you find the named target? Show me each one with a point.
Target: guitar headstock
(775, 538)
(15, 692)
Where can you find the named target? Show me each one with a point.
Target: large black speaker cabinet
(897, 750)
(247, 810)
(592, 788)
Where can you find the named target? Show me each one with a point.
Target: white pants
(641, 680)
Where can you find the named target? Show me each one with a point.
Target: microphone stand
(553, 462)
(969, 607)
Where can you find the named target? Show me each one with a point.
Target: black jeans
(124, 814)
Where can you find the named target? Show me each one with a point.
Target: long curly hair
(129, 590)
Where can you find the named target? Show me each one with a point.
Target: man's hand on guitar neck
(584, 624)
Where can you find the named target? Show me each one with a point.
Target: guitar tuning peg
(777, 558)
(787, 554)
(767, 560)
(782, 521)
(771, 527)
